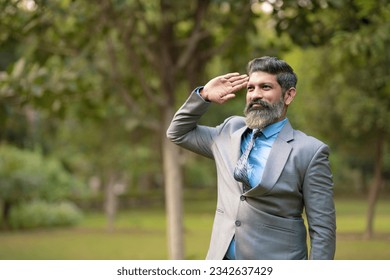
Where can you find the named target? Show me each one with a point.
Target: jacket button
(238, 223)
(242, 198)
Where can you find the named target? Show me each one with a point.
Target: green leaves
(28, 175)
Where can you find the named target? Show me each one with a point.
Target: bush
(28, 175)
(39, 214)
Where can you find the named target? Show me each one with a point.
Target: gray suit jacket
(267, 220)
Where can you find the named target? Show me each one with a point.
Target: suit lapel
(276, 161)
(236, 144)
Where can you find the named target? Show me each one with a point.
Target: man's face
(265, 103)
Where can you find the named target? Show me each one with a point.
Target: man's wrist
(200, 92)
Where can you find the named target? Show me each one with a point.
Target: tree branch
(229, 38)
(116, 76)
(195, 37)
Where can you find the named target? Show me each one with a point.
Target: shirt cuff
(197, 91)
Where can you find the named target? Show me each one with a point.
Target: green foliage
(199, 172)
(26, 175)
(361, 91)
(346, 82)
(50, 86)
(39, 214)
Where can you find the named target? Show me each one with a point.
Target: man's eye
(266, 87)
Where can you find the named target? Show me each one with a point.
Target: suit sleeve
(319, 206)
(185, 131)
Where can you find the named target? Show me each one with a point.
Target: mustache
(260, 102)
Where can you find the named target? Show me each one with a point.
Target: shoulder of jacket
(308, 142)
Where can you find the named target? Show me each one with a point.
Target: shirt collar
(274, 128)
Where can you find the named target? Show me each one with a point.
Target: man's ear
(289, 95)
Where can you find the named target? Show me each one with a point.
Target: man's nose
(256, 94)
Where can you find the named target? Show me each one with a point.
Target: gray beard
(258, 118)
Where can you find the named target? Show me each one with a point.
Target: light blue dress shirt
(260, 151)
(257, 160)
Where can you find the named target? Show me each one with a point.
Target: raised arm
(184, 129)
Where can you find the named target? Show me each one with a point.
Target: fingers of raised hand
(236, 81)
(232, 82)
(222, 88)
(225, 98)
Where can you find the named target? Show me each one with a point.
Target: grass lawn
(140, 235)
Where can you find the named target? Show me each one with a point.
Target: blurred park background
(87, 89)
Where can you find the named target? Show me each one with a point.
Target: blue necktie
(241, 170)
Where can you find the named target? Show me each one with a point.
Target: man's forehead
(260, 76)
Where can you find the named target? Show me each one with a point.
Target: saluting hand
(223, 88)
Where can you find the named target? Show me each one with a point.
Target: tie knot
(256, 133)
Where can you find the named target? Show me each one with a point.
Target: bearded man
(268, 174)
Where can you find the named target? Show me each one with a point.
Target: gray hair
(284, 73)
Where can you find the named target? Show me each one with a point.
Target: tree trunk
(110, 204)
(5, 212)
(173, 193)
(375, 187)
